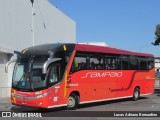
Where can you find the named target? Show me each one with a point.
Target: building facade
(157, 63)
(24, 25)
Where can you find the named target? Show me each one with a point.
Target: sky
(123, 24)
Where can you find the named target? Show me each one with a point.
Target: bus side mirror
(47, 63)
(8, 63)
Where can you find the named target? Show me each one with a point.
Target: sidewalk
(5, 104)
(5, 100)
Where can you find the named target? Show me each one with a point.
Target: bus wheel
(136, 94)
(72, 102)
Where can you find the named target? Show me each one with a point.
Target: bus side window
(110, 63)
(79, 63)
(124, 62)
(133, 63)
(150, 63)
(143, 63)
(107, 63)
(92, 63)
(96, 62)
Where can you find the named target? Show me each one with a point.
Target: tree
(157, 33)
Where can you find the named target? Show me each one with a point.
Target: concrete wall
(50, 24)
(5, 78)
(16, 33)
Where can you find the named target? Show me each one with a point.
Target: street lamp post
(33, 41)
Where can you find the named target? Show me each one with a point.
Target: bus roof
(45, 48)
(106, 49)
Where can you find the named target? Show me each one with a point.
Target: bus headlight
(43, 95)
(30, 98)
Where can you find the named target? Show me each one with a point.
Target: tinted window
(150, 63)
(110, 62)
(79, 62)
(133, 63)
(54, 74)
(96, 62)
(123, 62)
(143, 63)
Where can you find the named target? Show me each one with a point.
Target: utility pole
(33, 40)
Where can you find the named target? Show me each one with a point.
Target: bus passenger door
(54, 78)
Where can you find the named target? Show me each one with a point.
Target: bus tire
(136, 94)
(72, 102)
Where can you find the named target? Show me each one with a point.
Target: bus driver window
(54, 74)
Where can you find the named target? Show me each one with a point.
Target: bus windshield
(27, 75)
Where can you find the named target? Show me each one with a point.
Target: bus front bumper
(40, 101)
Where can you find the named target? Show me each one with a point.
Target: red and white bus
(54, 75)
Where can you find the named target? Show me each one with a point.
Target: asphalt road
(100, 110)
(145, 103)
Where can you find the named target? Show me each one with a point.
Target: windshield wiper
(27, 79)
(19, 80)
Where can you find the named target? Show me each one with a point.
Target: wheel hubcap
(136, 94)
(71, 102)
